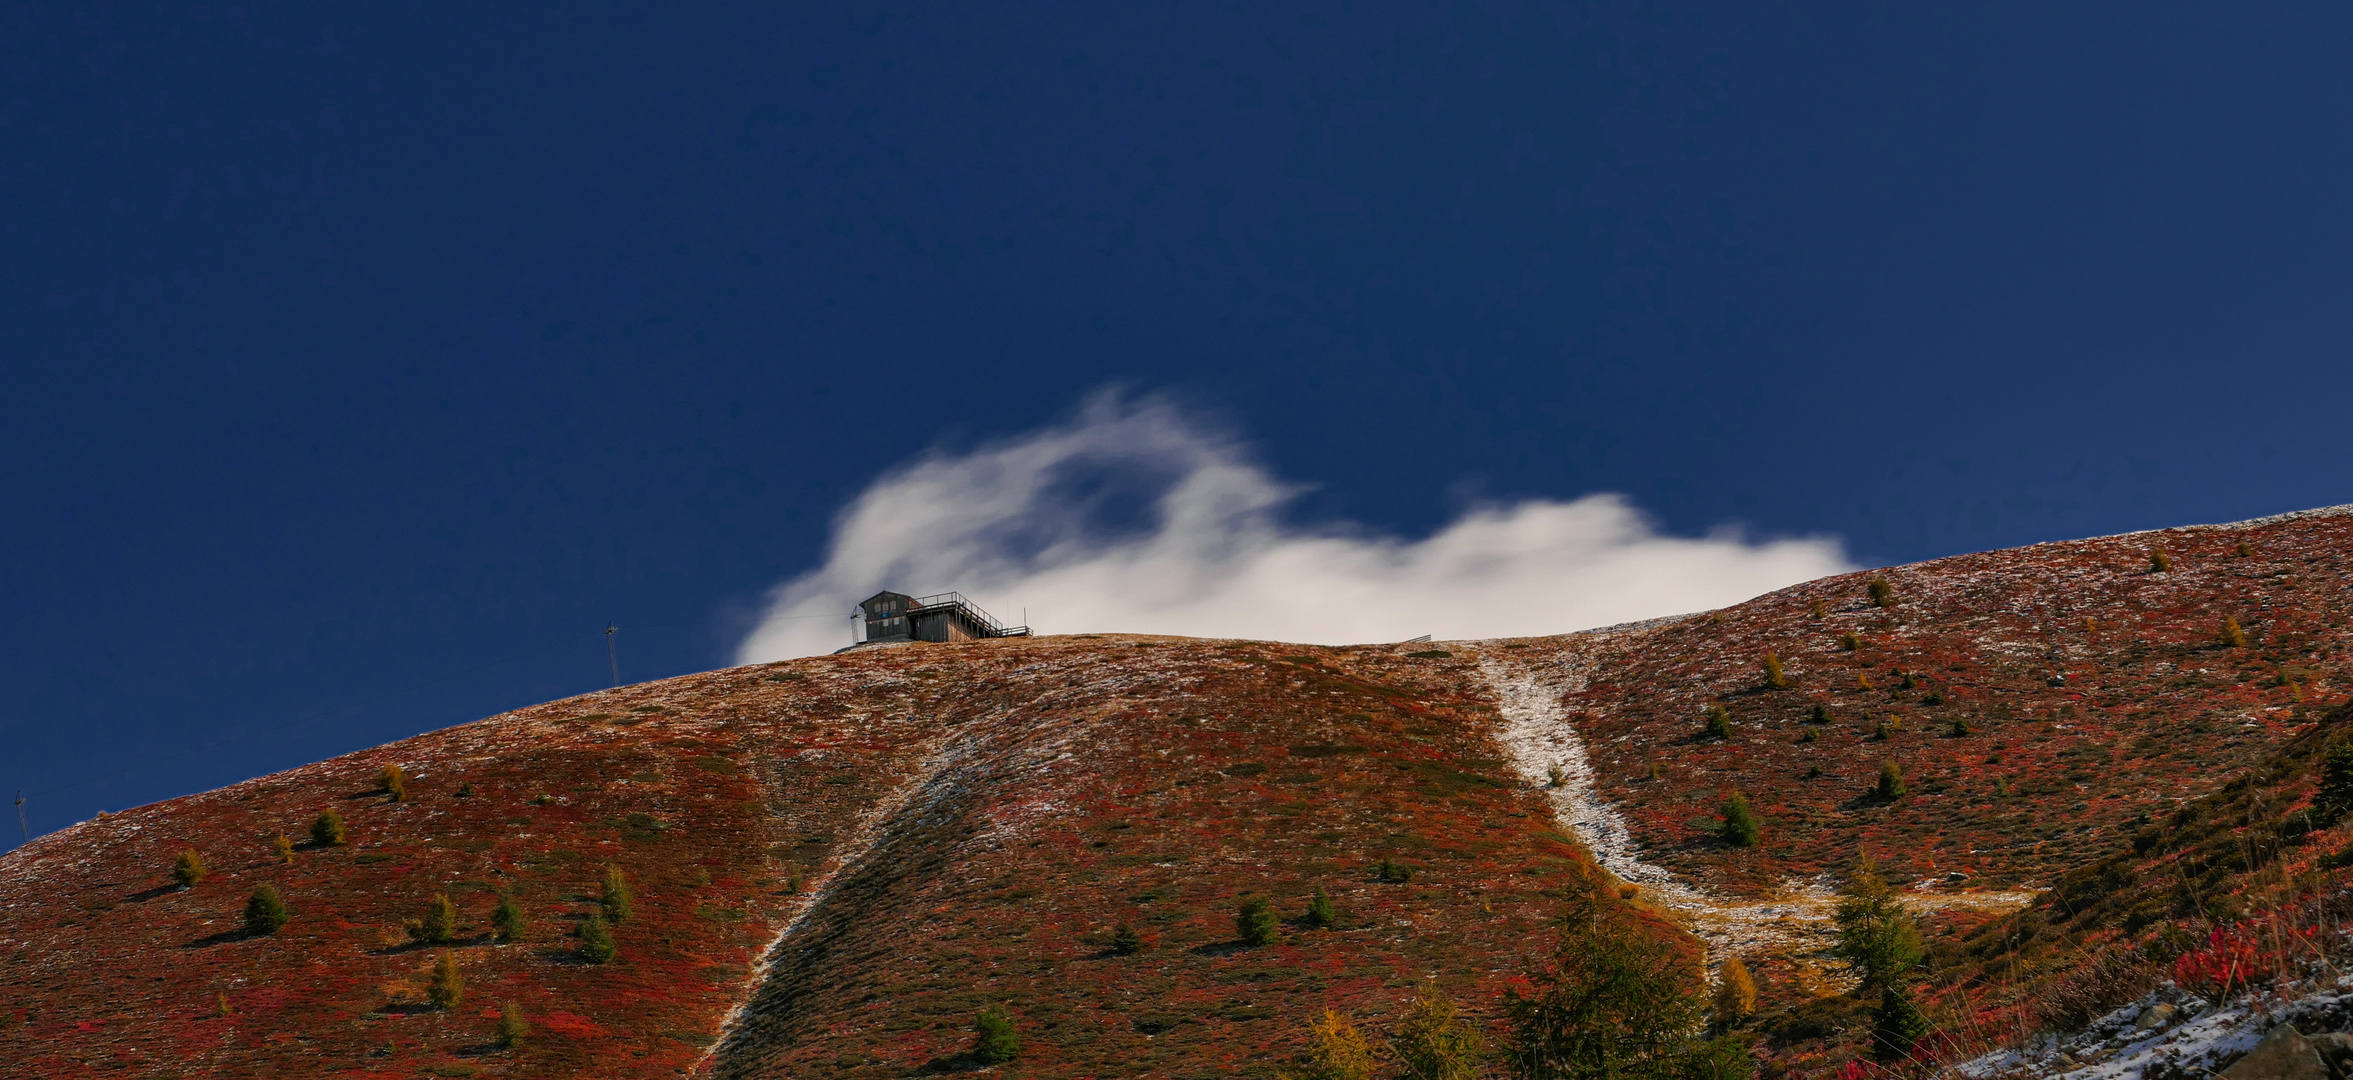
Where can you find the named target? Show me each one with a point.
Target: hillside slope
(840, 861)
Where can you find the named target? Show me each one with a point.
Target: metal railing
(938, 601)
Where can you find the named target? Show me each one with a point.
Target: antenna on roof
(611, 655)
(20, 817)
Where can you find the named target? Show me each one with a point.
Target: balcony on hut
(891, 617)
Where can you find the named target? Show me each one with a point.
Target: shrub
(2232, 637)
(2243, 551)
(1433, 1041)
(1335, 1051)
(221, 1007)
(1891, 779)
(1656, 771)
(1863, 680)
(1896, 1025)
(616, 896)
(1319, 910)
(511, 1028)
(449, 987)
(1882, 593)
(1850, 641)
(1555, 777)
(1883, 731)
(1395, 873)
(1820, 715)
(596, 941)
(1876, 936)
(466, 790)
(1774, 676)
(1807, 735)
(1960, 728)
(507, 918)
(1254, 922)
(1719, 721)
(1740, 822)
(394, 782)
(1614, 1001)
(188, 869)
(1736, 994)
(1819, 610)
(2158, 563)
(283, 848)
(327, 831)
(994, 1041)
(264, 912)
(439, 925)
(1126, 941)
(2335, 796)
(1906, 682)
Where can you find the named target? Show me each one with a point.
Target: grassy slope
(1020, 799)
(1000, 807)
(2152, 709)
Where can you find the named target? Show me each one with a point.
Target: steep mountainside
(839, 861)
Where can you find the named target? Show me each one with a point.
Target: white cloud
(1134, 517)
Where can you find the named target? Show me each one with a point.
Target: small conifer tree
(1883, 732)
(1125, 941)
(1719, 721)
(265, 913)
(1863, 680)
(596, 940)
(222, 1007)
(1254, 922)
(616, 896)
(394, 782)
(2158, 562)
(1335, 1051)
(1774, 676)
(2001, 787)
(2232, 636)
(1555, 776)
(1960, 728)
(449, 987)
(507, 918)
(1740, 822)
(1877, 938)
(1819, 610)
(1657, 771)
(2243, 550)
(1319, 910)
(1882, 593)
(1897, 1024)
(1891, 780)
(511, 1026)
(327, 830)
(995, 1041)
(466, 790)
(1736, 994)
(283, 848)
(2335, 796)
(1433, 1041)
(1906, 682)
(1820, 715)
(1807, 735)
(1850, 641)
(1389, 872)
(188, 869)
(439, 925)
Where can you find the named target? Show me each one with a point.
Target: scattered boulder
(2336, 1050)
(2285, 1054)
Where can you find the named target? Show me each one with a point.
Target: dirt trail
(1794, 925)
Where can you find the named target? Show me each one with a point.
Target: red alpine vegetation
(835, 865)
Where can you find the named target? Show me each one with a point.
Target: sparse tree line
(266, 911)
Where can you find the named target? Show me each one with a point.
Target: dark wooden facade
(891, 616)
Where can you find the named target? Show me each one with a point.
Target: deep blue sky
(357, 368)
